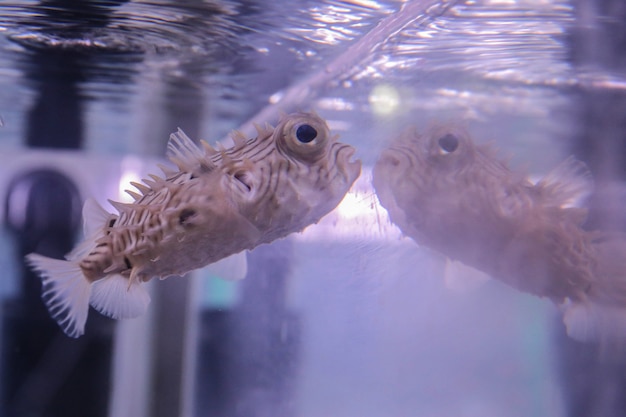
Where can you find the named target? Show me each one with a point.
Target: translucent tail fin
(66, 292)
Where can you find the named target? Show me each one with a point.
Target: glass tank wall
(350, 317)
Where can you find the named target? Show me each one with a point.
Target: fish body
(462, 200)
(215, 204)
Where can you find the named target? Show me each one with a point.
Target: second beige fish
(462, 200)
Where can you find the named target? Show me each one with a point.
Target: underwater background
(348, 318)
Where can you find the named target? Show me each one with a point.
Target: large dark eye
(306, 133)
(448, 143)
(303, 136)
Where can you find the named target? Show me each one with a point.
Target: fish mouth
(352, 167)
(390, 157)
(393, 166)
(396, 159)
(390, 170)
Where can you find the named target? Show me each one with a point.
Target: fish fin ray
(460, 277)
(113, 297)
(183, 152)
(94, 217)
(65, 292)
(81, 250)
(567, 185)
(231, 268)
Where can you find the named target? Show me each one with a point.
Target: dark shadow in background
(183, 106)
(595, 382)
(46, 373)
(249, 356)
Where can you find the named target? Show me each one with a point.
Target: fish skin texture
(215, 204)
(461, 199)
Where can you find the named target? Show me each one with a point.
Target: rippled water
(470, 59)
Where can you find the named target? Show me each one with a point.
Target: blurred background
(348, 318)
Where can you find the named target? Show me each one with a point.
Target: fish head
(419, 178)
(294, 174)
(418, 163)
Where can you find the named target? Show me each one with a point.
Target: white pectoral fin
(65, 292)
(460, 277)
(231, 268)
(113, 297)
(592, 322)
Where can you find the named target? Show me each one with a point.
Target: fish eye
(306, 133)
(448, 143)
(303, 136)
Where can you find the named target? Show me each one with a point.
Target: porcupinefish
(215, 204)
(459, 199)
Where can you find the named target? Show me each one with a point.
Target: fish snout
(351, 167)
(389, 157)
(392, 168)
(393, 160)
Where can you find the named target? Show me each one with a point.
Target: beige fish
(217, 203)
(461, 200)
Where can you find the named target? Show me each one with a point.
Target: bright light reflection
(359, 216)
(384, 99)
(131, 167)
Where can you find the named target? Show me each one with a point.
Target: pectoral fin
(460, 277)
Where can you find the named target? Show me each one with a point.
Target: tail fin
(66, 292)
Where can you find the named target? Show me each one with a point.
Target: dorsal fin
(567, 185)
(94, 217)
(185, 154)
